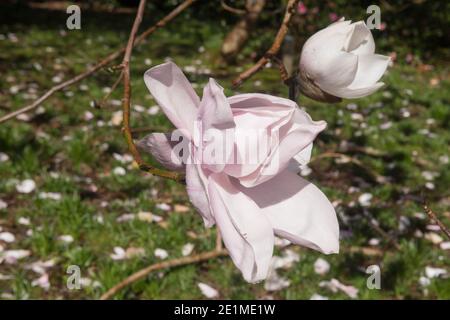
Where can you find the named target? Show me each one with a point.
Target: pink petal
(350, 93)
(174, 94)
(357, 36)
(338, 71)
(298, 211)
(216, 129)
(161, 146)
(301, 134)
(195, 181)
(214, 110)
(246, 232)
(304, 156)
(371, 68)
(259, 119)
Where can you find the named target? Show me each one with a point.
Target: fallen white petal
(445, 245)
(42, 281)
(424, 281)
(119, 171)
(3, 204)
(50, 195)
(432, 272)
(126, 217)
(321, 266)
(66, 238)
(208, 291)
(163, 206)
(116, 118)
(280, 242)
(40, 266)
(287, 260)
(317, 296)
(119, 253)
(334, 285)
(24, 221)
(145, 216)
(153, 110)
(26, 186)
(275, 283)
(3, 157)
(11, 256)
(365, 199)
(161, 253)
(187, 249)
(433, 237)
(7, 237)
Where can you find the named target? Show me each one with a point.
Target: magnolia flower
(250, 201)
(340, 62)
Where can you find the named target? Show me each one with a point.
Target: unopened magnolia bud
(340, 61)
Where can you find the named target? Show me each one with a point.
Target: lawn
(91, 207)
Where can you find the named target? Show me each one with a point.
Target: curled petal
(356, 93)
(371, 68)
(301, 134)
(196, 189)
(161, 146)
(357, 35)
(304, 155)
(174, 94)
(214, 110)
(246, 232)
(217, 125)
(298, 211)
(259, 119)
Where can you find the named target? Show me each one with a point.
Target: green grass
(65, 153)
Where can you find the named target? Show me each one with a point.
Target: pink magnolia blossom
(250, 202)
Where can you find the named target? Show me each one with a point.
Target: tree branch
(176, 176)
(273, 50)
(226, 7)
(434, 217)
(99, 65)
(163, 265)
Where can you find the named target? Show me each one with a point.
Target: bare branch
(226, 7)
(99, 65)
(114, 86)
(163, 265)
(127, 102)
(434, 217)
(273, 50)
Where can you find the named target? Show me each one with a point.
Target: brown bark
(238, 36)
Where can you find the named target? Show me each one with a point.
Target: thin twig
(434, 217)
(99, 65)
(384, 234)
(114, 86)
(163, 265)
(176, 176)
(273, 50)
(226, 7)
